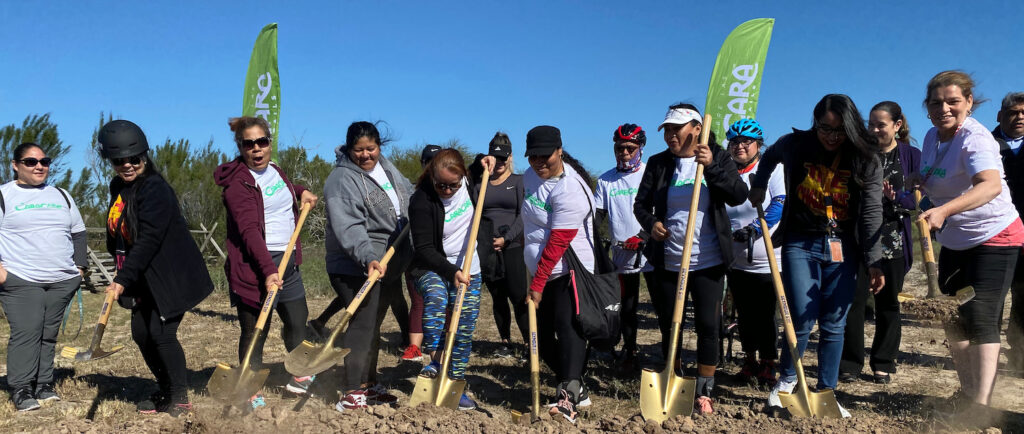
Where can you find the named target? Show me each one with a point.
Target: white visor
(680, 116)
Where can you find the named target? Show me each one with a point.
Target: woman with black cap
(557, 216)
(663, 205)
(161, 273)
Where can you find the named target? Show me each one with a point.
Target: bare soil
(100, 396)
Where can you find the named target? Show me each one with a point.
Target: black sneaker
(316, 331)
(23, 399)
(45, 392)
(848, 377)
(504, 352)
(155, 403)
(565, 407)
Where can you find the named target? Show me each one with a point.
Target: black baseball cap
(429, 152)
(543, 140)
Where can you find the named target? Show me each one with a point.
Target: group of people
(838, 197)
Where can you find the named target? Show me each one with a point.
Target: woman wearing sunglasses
(42, 253)
(444, 207)
(160, 272)
(262, 208)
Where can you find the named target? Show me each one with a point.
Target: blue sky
(441, 70)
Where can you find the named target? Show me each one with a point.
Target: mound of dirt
(934, 309)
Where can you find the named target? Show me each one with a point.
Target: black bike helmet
(121, 139)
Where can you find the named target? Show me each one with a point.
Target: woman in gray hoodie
(367, 206)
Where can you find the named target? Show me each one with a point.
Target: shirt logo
(628, 191)
(28, 206)
(535, 201)
(689, 181)
(387, 186)
(273, 189)
(460, 210)
(941, 173)
(812, 193)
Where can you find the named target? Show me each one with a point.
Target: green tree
(190, 173)
(36, 129)
(309, 173)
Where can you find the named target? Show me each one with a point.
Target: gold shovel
(534, 366)
(442, 391)
(236, 385)
(311, 359)
(665, 394)
(800, 402)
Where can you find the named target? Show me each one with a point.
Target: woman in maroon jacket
(262, 208)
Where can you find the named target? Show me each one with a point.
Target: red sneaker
(766, 373)
(412, 353)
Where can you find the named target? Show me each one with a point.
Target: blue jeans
(821, 291)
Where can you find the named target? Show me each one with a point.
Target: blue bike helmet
(746, 128)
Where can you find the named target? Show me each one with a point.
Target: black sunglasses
(31, 162)
(133, 160)
(453, 186)
(263, 142)
(630, 149)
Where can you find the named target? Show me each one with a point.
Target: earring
(929, 116)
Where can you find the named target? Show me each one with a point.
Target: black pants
(363, 334)
(755, 299)
(630, 285)
(888, 329)
(705, 289)
(1015, 330)
(510, 289)
(561, 342)
(989, 269)
(158, 341)
(293, 330)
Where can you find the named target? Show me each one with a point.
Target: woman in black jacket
(662, 206)
(160, 271)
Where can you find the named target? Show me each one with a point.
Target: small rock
(993, 431)
(263, 413)
(653, 427)
(686, 425)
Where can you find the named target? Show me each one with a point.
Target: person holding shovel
(262, 207)
(444, 207)
(161, 273)
(42, 255)
(662, 207)
(830, 225)
(367, 207)
(412, 352)
(979, 229)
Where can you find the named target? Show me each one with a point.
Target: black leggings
(293, 329)
(510, 289)
(754, 295)
(888, 329)
(158, 341)
(989, 269)
(560, 340)
(630, 287)
(705, 288)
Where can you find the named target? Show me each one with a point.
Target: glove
(743, 234)
(633, 243)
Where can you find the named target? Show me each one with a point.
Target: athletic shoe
(583, 399)
(316, 331)
(847, 377)
(153, 404)
(45, 392)
(702, 405)
(412, 353)
(431, 370)
(300, 385)
(23, 399)
(352, 401)
(378, 394)
(749, 371)
(766, 373)
(257, 401)
(466, 403)
(565, 407)
(504, 352)
(881, 379)
(781, 386)
(179, 408)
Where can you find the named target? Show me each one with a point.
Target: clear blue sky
(441, 70)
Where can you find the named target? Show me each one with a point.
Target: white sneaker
(781, 386)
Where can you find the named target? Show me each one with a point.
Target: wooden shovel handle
(691, 223)
(108, 302)
(268, 303)
(375, 275)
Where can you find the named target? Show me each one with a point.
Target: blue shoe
(431, 370)
(257, 401)
(466, 403)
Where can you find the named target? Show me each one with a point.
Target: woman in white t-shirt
(557, 215)
(749, 277)
(978, 227)
(444, 209)
(42, 253)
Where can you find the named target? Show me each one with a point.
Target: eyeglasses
(629, 149)
(827, 131)
(133, 160)
(440, 186)
(31, 162)
(263, 142)
(741, 141)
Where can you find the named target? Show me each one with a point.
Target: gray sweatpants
(34, 311)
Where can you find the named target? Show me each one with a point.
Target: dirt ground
(100, 396)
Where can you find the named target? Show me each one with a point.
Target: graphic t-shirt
(114, 218)
(706, 252)
(615, 194)
(808, 213)
(557, 203)
(892, 225)
(380, 176)
(277, 208)
(35, 233)
(458, 220)
(745, 214)
(972, 150)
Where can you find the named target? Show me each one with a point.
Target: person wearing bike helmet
(613, 198)
(749, 278)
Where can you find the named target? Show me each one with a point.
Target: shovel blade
(235, 385)
(664, 395)
(816, 404)
(438, 392)
(311, 359)
(96, 355)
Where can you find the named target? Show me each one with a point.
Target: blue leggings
(437, 296)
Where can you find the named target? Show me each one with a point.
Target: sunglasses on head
(263, 142)
(31, 162)
(133, 160)
(440, 186)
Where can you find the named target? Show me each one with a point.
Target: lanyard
(827, 191)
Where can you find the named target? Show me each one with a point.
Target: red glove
(633, 243)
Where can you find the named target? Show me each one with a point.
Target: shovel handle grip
(927, 253)
(108, 302)
(691, 226)
(375, 275)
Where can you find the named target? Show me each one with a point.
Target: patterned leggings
(437, 296)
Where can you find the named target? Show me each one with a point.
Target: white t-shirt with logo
(744, 214)
(35, 233)
(615, 193)
(706, 252)
(278, 217)
(458, 220)
(380, 176)
(557, 203)
(972, 150)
